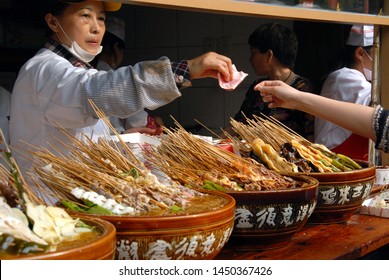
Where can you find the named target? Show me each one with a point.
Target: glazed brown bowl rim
(108, 232)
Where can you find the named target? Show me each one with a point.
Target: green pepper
(345, 160)
(326, 163)
(215, 186)
(73, 206)
(219, 188)
(209, 187)
(208, 182)
(339, 165)
(96, 209)
(175, 208)
(90, 208)
(132, 172)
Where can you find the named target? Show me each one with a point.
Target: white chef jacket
(344, 84)
(138, 119)
(51, 93)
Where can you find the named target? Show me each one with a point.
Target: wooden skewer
(183, 154)
(102, 116)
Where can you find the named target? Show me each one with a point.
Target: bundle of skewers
(283, 150)
(102, 178)
(27, 225)
(97, 178)
(193, 161)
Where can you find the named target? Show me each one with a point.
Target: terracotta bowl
(342, 193)
(186, 237)
(268, 219)
(103, 247)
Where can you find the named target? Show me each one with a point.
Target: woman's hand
(209, 65)
(279, 94)
(351, 116)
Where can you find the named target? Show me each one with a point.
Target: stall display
(270, 207)
(155, 218)
(353, 221)
(343, 183)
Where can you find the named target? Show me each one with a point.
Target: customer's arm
(354, 117)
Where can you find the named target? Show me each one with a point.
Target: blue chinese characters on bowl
(268, 219)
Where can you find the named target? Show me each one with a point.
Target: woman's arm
(354, 117)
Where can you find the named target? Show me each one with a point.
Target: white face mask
(367, 72)
(76, 50)
(80, 53)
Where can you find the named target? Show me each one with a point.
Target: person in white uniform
(351, 83)
(53, 88)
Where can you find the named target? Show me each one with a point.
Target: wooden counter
(361, 235)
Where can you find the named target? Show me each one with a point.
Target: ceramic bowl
(103, 247)
(268, 219)
(342, 193)
(179, 237)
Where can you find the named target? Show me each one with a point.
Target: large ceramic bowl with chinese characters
(342, 193)
(98, 245)
(174, 237)
(268, 219)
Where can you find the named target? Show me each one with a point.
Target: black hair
(56, 8)
(278, 38)
(348, 55)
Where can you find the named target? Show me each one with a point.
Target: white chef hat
(116, 26)
(361, 36)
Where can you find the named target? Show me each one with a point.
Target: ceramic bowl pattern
(178, 244)
(268, 219)
(102, 248)
(342, 193)
(181, 237)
